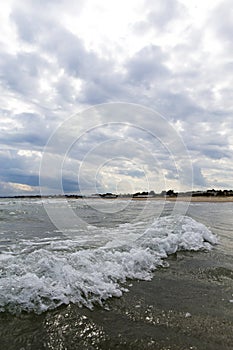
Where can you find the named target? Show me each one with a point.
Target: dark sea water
(102, 274)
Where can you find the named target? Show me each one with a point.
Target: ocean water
(44, 268)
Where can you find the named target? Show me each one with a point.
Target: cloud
(221, 20)
(198, 179)
(146, 66)
(20, 72)
(26, 132)
(61, 57)
(159, 15)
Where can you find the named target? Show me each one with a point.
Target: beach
(180, 198)
(185, 304)
(116, 175)
(210, 199)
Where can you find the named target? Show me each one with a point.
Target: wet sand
(186, 306)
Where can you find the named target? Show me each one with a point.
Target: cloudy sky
(59, 58)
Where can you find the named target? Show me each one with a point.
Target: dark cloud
(18, 169)
(206, 138)
(30, 130)
(146, 66)
(198, 178)
(20, 72)
(107, 86)
(69, 185)
(30, 180)
(177, 105)
(215, 153)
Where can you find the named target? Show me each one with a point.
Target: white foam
(39, 277)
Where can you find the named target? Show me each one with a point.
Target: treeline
(48, 196)
(172, 193)
(143, 194)
(213, 193)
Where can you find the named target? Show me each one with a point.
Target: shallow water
(43, 268)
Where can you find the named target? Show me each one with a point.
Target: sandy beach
(210, 199)
(202, 199)
(186, 306)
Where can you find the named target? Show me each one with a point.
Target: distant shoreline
(189, 199)
(179, 198)
(211, 199)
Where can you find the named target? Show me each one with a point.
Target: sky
(115, 96)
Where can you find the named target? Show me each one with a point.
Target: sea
(115, 274)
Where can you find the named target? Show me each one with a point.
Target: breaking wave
(39, 275)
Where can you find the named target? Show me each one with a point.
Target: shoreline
(185, 306)
(188, 304)
(202, 199)
(179, 198)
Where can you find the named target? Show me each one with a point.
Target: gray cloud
(30, 130)
(52, 73)
(18, 169)
(146, 66)
(198, 178)
(160, 15)
(20, 72)
(163, 12)
(221, 20)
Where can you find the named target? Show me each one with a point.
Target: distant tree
(152, 193)
(171, 193)
(144, 193)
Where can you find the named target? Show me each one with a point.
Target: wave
(41, 275)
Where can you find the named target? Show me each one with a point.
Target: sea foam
(38, 276)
